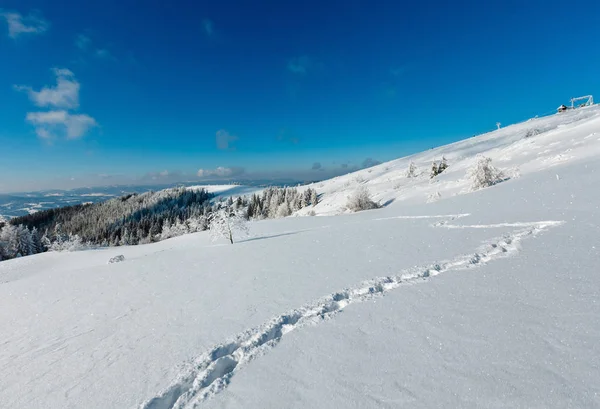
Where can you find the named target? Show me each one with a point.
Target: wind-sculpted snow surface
(212, 371)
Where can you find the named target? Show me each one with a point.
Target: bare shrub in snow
(411, 172)
(312, 213)
(532, 132)
(434, 197)
(225, 223)
(116, 259)
(484, 174)
(361, 200)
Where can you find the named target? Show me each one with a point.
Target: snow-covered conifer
(443, 165)
(411, 172)
(283, 210)
(434, 170)
(314, 198)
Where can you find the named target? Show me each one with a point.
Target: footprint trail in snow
(211, 372)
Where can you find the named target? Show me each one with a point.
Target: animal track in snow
(211, 372)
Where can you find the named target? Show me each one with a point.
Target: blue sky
(104, 92)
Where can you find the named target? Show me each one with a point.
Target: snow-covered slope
(555, 140)
(485, 299)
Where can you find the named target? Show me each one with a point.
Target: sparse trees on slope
(484, 174)
(361, 200)
(227, 223)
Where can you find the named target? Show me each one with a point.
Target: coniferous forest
(138, 219)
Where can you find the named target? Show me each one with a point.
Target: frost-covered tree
(283, 210)
(227, 223)
(9, 238)
(484, 174)
(411, 172)
(443, 165)
(361, 200)
(434, 170)
(314, 198)
(437, 169)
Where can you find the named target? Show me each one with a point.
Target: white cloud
(58, 123)
(18, 24)
(299, 65)
(82, 41)
(64, 95)
(225, 140)
(62, 98)
(220, 172)
(208, 26)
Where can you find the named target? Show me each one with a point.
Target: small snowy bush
(361, 200)
(116, 259)
(484, 174)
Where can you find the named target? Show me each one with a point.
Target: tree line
(138, 219)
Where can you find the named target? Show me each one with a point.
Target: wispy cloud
(299, 65)
(52, 123)
(209, 27)
(64, 95)
(82, 41)
(225, 140)
(220, 172)
(317, 166)
(88, 48)
(62, 98)
(19, 24)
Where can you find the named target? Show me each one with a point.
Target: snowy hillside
(552, 141)
(475, 299)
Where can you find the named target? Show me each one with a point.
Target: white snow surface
(486, 299)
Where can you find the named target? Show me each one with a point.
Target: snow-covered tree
(411, 172)
(437, 169)
(283, 210)
(361, 200)
(434, 170)
(443, 165)
(10, 241)
(227, 223)
(484, 174)
(314, 198)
